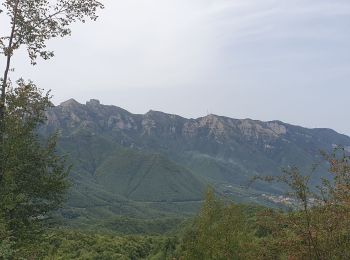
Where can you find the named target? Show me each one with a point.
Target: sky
(285, 60)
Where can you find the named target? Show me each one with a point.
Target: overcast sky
(262, 59)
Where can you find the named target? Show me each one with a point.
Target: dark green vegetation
(33, 180)
(78, 245)
(157, 165)
(316, 227)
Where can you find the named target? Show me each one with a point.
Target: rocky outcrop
(167, 129)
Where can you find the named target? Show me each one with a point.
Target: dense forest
(315, 226)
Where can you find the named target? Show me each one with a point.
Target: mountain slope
(111, 180)
(134, 174)
(163, 158)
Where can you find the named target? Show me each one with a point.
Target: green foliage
(36, 21)
(78, 245)
(315, 227)
(33, 181)
(6, 244)
(32, 177)
(31, 24)
(123, 225)
(129, 226)
(318, 225)
(220, 232)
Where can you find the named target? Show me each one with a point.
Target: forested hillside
(158, 165)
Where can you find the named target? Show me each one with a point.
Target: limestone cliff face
(221, 150)
(96, 117)
(166, 131)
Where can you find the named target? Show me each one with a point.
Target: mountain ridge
(220, 151)
(95, 102)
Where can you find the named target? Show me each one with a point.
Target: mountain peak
(211, 116)
(93, 102)
(69, 103)
(155, 112)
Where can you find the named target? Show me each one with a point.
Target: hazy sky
(263, 59)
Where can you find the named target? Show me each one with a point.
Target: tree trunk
(8, 55)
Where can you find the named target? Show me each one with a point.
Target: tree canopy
(33, 178)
